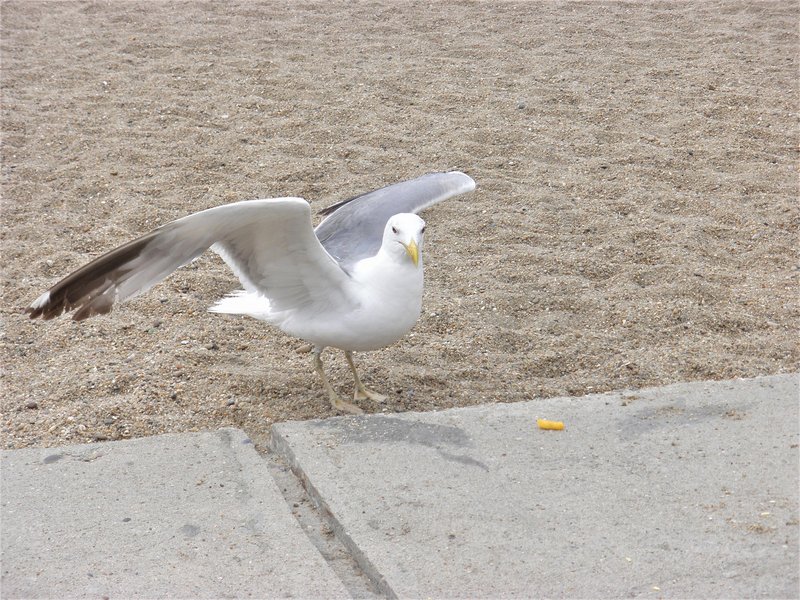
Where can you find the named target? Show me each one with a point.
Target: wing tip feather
(47, 307)
(37, 307)
(469, 182)
(468, 185)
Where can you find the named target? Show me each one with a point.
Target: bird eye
(394, 230)
(423, 229)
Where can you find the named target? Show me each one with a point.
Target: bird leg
(336, 402)
(362, 392)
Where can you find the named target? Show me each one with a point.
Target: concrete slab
(689, 490)
(190, 515)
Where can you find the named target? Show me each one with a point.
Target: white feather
(243, 302)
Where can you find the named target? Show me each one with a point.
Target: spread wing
(269, 244)
(353, 229)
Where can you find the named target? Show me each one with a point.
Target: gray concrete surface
(174, 516)
(685, 491)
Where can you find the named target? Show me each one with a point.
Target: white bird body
(354, 283)
(389, 291)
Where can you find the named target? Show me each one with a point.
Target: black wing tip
(90, 290)
(56, 309)
(47, 310)
(68, 295)
(43, 307)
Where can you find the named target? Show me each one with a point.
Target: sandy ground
(636, 221)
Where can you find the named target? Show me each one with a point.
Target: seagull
(354, 282)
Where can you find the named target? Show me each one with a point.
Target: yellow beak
(413, 252)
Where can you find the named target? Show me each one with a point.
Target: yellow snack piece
(552, 425)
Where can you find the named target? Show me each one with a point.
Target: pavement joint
(281, 447)
(319, 530)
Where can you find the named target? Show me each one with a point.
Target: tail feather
(242, 302)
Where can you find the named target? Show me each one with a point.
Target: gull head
(402, 237)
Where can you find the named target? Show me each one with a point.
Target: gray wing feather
(353, 229)
(268, 244)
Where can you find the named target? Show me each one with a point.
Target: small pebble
(32, 404)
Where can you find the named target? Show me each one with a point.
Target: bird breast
(390, 302)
